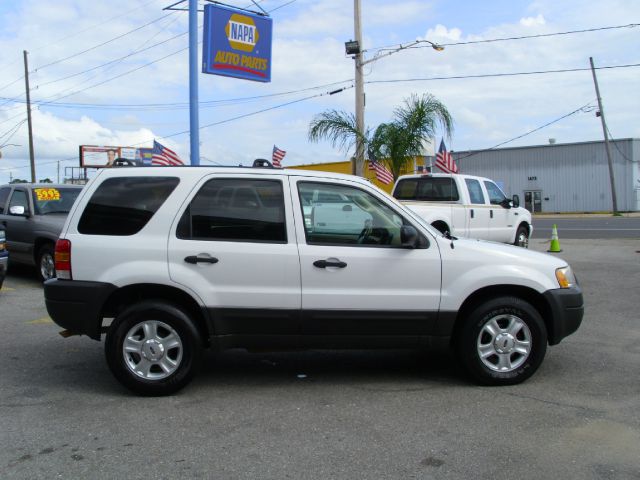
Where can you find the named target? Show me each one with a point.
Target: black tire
(505, 361)
(522, 237)
(46, 262)
(169, 368)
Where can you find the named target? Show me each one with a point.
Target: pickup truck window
(357, 219)
(475, 191)
(236, 210)
(427, 189)
(19, 199)
(496, 197)
(54, 200)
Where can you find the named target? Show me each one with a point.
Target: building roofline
(458, 152)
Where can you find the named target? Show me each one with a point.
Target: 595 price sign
(46, 194)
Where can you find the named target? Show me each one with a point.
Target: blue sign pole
(194, 124)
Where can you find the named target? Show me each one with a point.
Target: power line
(489, 75)
(16, 128)
(504, 39)
(135, 52)
(101, 44)
(584, 109)
(180, 105)
(615, 144)
(220, 122)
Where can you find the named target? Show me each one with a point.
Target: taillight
(63, 259)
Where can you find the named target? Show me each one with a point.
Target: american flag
(161, 155)
(277, 156)
(444, 160)
(382, 173)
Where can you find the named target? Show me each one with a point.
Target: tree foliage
(395, 143)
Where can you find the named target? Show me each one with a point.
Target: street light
(352, 47)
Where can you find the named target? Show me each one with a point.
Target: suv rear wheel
(153, 348)
(502, 342)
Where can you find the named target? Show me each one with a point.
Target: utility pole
(26, 83)
(194, 125)
(606, 139)
(358, 161)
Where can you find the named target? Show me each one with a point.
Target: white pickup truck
(466, 206)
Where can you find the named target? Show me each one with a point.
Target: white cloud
(532, 21)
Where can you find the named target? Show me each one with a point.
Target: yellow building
(345, 167)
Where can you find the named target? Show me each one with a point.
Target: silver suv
(33, 215)
(168, 261)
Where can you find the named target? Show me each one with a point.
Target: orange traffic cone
(555, 243)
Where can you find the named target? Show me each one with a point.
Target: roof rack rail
(262, 163)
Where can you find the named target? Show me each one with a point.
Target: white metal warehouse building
(570, 177)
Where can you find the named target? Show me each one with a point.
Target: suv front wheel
(153, 348)
(502, 342)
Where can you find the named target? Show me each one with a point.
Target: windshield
(54, 199)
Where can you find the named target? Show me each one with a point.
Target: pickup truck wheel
(153, 348)
(46, 263)
(502, 342)
(522, 237)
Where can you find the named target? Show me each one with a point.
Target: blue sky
(87, 105)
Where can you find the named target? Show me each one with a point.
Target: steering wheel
(365, 233)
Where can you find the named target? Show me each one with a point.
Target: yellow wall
(345, 167)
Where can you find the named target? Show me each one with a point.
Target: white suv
(187, 258)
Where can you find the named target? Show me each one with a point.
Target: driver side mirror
(18, 210)
(516, 201)
(409, 237)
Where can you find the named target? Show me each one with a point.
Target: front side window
(496, 197)
(475, 191)
(54, 200)
(124, 205)
(342, 215)
(239, 210)
(19, 199)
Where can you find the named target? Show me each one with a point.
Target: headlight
(565, 277)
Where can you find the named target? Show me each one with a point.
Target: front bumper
(567, 309)
(77, 305)
(4, 259)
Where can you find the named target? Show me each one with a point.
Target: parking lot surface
(322, 414)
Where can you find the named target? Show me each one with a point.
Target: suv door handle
(328, 263)
(196, 259)
(491, 213)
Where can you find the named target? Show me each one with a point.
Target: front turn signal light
(565, 277)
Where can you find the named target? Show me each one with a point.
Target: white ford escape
(187, 258)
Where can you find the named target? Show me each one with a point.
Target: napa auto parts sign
(236, 44)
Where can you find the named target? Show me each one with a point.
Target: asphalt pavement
(588, 226)
(331, 415)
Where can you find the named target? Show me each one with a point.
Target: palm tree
(401, 140)
(394, 143)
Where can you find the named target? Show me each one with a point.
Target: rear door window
(475, 191)
(123, 206)
(237, 210)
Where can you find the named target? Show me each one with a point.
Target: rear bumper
(77, 305)
(567, 309)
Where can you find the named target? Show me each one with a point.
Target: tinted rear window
(123, 206)
(427, 189)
